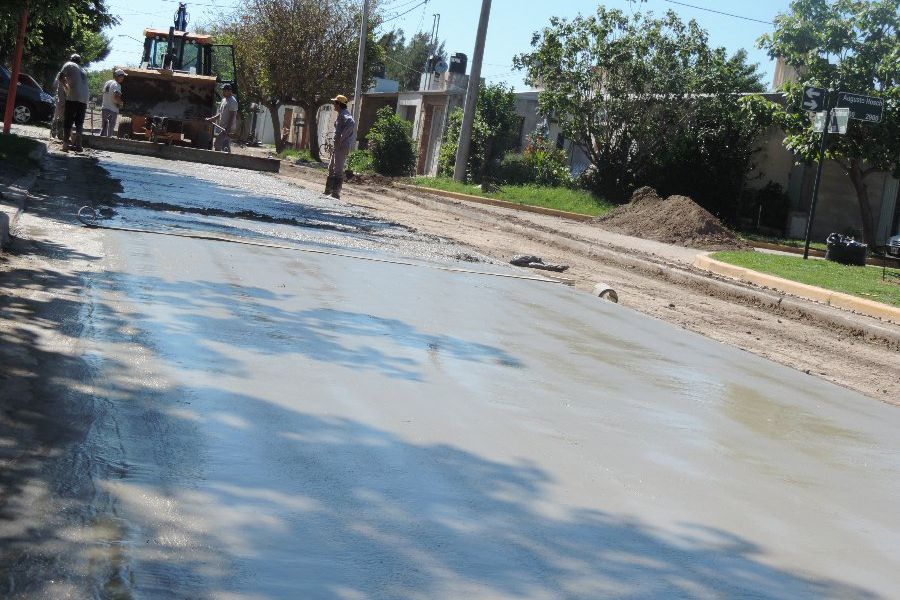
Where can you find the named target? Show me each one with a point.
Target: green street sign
(862, 108)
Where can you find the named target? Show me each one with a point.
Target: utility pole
(465, 132)
(360, 63)
(16, 67)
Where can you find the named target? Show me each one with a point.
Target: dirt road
(834, 355)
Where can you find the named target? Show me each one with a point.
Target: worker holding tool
(74, 81)
(344, 134)
(112, 102)
(225, 119)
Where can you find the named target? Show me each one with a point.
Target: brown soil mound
(674, 220)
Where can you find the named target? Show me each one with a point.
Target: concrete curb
(501, 203)
(221, 159)
(810, 292)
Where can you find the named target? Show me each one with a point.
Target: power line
(719, 12)
(424, 2)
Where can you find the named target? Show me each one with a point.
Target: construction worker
(226, 117)
(344, 135)
(75, 83)
(112, 102)
(59, 113)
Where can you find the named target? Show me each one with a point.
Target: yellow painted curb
(811, 292)
(550, 212)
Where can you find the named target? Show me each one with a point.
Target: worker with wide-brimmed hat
(344, 135)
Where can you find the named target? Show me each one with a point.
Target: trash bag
(845, 250)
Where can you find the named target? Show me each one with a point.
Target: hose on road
(89, 218)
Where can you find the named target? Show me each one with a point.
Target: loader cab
(188, 53)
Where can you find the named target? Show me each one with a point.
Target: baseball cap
(340, 98)
(75, 58)
(118, 73)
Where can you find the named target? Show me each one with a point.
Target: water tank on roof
(458, 63)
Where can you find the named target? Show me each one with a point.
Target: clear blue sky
(511, 26)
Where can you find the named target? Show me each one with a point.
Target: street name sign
(814, 98)
(862, 108)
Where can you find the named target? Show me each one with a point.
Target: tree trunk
(312, 121)
(862, 197)
(276, 127)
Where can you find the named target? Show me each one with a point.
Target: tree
(298, 51)
(392, 146)
(56, 29)
(845, 45)
(405, 62)
(493, 132)
(647, 98)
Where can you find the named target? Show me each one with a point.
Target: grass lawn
(292, 154)
(14, 150)
(576, 201)
(793, 243)
(859, 281)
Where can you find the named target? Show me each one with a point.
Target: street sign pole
(815, 196)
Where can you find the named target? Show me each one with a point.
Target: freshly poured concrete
(330, 428)
(264, 423)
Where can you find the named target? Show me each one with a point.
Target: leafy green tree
(648, 99)
(493, 133)
(391, 144)
(96, 80)
(405, 61)
(56, 29)
(845, 45)
(298, 51)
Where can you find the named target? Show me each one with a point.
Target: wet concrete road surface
(278, 424)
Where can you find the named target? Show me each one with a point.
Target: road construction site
(234, 387)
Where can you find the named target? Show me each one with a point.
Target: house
(838, 208)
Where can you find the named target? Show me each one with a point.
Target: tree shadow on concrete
(320, 507)
(202, 316)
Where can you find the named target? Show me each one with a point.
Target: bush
(549, 165)
(392, 147)
(360, 161)
(515, 170)
(767, 207)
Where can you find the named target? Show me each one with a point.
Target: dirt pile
(673, 220)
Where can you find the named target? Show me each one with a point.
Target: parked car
(893, 245)
(32, 103)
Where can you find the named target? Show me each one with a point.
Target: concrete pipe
(606, 292)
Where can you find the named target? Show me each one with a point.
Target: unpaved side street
(835, 355)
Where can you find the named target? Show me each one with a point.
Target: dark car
(32, 103)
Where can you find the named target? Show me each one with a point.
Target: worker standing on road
(344, 134)
(59, 112)
(74, 80)
(112, 102)
(226, 117)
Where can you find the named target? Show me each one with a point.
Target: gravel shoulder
(832, 354)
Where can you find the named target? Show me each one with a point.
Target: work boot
(329, 185)
(336, 190)
(78, 147)
(66, 143)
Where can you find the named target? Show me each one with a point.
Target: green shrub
(549, 165)
(515, 170)
(360, 161)
(392, 147)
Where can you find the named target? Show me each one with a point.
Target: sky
(511, 25)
